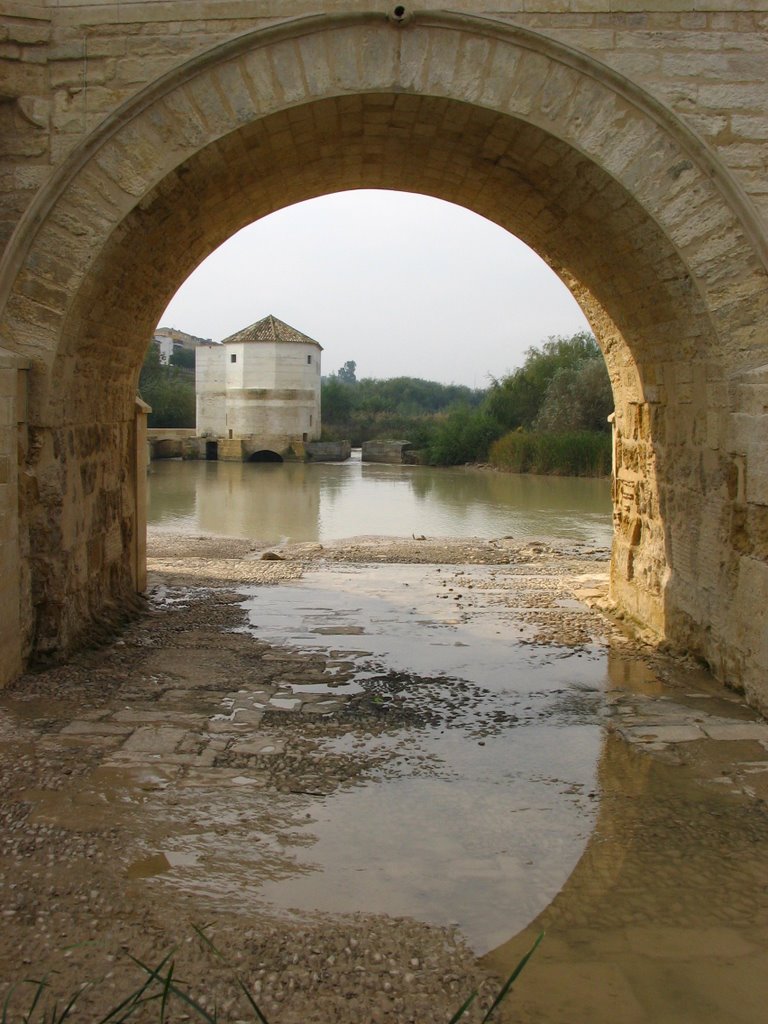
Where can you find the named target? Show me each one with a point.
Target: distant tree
(578, 398)
(562, 388)
(412, 396)
(336, 401)
(169, 390)
(463, 435)
(515, 401)
(183, 357)
(152, 365)
(347, 372)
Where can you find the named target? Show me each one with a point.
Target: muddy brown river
(327, 501)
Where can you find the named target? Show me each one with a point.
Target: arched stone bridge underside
(654, 235)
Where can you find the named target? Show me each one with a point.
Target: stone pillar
(639, 568)
(739, 640)
(614, 445)
(13, 413)
(141, 463)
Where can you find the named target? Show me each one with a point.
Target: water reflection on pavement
(461, 744)
(478, 817)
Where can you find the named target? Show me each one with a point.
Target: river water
(519, 821)
(327, 501)
(555, 782)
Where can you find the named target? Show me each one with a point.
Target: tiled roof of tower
(270, 329)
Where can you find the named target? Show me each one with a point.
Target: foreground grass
(160, 989)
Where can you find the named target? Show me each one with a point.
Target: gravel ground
(70, 906)
(71, 837)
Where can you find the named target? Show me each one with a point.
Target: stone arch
(265, 455)
(653, 237)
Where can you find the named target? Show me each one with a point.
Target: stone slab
(81, 728)
(145, 717)
(149, 740)
(662, 733)
(258, 747)
(247, 700)
(323, 707)
(247, 716)
(737, 731)
(225, 726)
(285, 703)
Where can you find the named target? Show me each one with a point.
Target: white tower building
(258, 392)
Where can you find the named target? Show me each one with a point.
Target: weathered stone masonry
(625, 141)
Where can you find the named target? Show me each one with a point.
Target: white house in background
(169, 340)
(258, 392)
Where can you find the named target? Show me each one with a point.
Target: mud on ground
(99, 754)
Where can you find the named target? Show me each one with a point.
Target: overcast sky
(405, 285)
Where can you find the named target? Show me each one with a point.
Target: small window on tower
(233, 358)
(309, 360)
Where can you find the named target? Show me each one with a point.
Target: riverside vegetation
(169, 388)
(550, 415)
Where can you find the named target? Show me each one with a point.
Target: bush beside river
(548, 416)
(576, 453)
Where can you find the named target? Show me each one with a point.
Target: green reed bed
(577, 453)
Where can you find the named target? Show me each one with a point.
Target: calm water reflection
(324, 502)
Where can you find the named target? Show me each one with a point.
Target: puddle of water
(408, 628)
(665, 918)
(159, 863)
(464, 836)
(504, 806)
(481, 817)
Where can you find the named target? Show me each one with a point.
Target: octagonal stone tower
(258, 392)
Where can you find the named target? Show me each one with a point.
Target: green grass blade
(135, 1000)
(129, 1004)
(512, 978)
(246, 992)
(41, 986)
(251, 1000)
(463, 1008)
(7, 1003)
(71, 1004)
(154, 973)
(166, 991)
(194, 1005)
(199, 930)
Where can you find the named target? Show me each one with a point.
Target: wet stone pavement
(358, 791)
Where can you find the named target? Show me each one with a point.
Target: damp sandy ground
(168, 781)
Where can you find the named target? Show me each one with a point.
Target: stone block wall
(385, 451)
(327, 451)
(66, 68)
(13, 641)
(626, 140)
